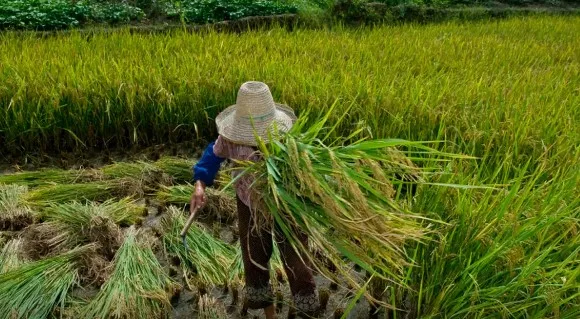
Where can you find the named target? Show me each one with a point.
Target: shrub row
(62, 14)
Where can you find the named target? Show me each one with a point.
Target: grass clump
(34, 289)
(14, 213)
(138, 286)
(206, 258)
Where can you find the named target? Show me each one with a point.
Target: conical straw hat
(255, 113)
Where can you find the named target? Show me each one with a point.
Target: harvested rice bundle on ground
(178, 169)
(206, 258)
(47, 195)
(35, 289)
(140, 177)
(11, 256)
(339, 194)
(14, 213)
(47, 177)
(68, 225)
(211, 308)
(220, 205)
(138, 286)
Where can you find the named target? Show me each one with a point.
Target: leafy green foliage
(42, 14)
(207, 11)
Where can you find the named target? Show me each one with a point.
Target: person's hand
(198, 198)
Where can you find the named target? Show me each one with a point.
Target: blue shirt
(207, 167)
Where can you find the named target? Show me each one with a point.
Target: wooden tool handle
(188, 223)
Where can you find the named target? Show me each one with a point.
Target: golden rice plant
(338, 193)
(138, 287)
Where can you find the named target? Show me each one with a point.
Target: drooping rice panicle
(179, 169)
(338, 195)
(138, 286)
(34, 289)
(14, 213)
(206, 258)
(220, 203)
(11, 255)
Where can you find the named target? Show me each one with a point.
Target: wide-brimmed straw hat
(255, 113)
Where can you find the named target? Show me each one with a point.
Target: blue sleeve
(208, 166)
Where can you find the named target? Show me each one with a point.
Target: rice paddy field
(102, 240)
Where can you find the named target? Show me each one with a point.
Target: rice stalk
(345, 208)
(34, 289)
(179, 169)
(206, 258)
(211, 308)
(72, 224)
(14, 213)
(46, 177)
(11, 255)
(138, 286)
(83, 192)
(220, 203)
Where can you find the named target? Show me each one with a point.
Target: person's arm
(204, 173)
(206, 169)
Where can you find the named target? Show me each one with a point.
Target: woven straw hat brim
(243, 131)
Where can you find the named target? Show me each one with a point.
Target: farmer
(255, 112)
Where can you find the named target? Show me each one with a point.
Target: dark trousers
(257, 246)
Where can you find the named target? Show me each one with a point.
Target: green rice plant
(34, 289)
(179, 169)
(340, 195)
(206, 258)
(138, 286)
(84, 192)
(14, 213)
(123, 212)
(11, 255)
(45, 177)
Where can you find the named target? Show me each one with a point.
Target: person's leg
(300, 276)
(256, 244)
